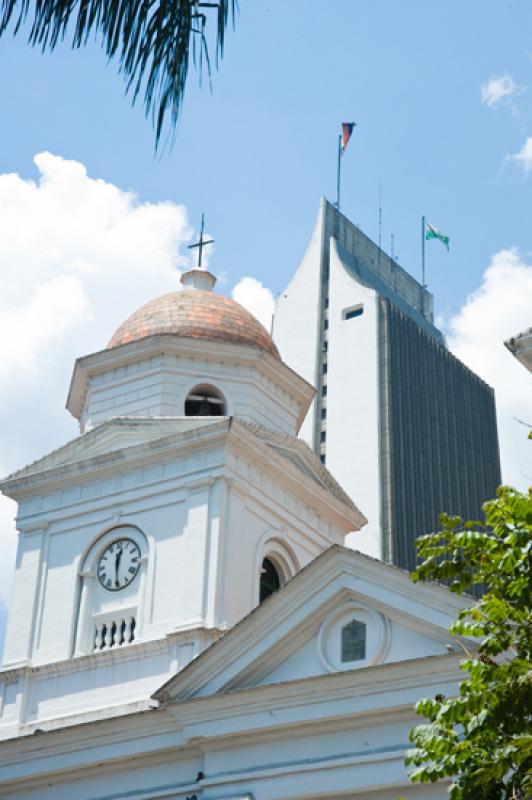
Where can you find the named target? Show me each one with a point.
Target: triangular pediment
(141, 440)
(296, 452)
(112, 436)
(345, 611)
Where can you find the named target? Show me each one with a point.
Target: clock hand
(117, 564)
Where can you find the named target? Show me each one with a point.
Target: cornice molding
(250, 641)
(396, 677)
(314, 493)
(40, 526)
(162, 344)
(310, 698)
(135, 455)
(317, 497)
(131, 652)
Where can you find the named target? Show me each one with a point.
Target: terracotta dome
(195, 314)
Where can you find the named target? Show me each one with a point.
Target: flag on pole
(347, 130)
(433, 233)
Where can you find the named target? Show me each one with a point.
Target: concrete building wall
(351, 420)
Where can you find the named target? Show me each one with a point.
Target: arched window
(270, 580)
(112, 576)
(205, 401)
(275, 564)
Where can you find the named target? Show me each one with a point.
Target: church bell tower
(185, 501)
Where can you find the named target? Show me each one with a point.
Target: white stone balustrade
(114, 631)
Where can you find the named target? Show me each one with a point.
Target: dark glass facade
(439, 446)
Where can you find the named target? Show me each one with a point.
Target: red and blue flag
(347, 130)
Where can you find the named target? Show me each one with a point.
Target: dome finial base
(198, 278)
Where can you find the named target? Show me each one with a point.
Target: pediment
(345, 611)
(299, 454)
(108, 438)
(138, 440)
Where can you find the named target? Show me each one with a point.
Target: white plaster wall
(401, 644)
(168, 596)
(256, 528)
(201, 564)
(170, 780)
(353, 400)
(24, 598)
(356, 759)
(295, 321)
(207, 518)
(156, 499)
(50, 696)
(158, 386)
(348, 762)
(173, 778)
(98, 682)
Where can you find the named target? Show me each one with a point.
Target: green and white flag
(433, 233)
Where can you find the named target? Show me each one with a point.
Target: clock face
(119, 564)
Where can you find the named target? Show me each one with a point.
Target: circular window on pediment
(205, 401)
(353, 636)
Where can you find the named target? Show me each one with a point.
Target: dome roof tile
(195, 314)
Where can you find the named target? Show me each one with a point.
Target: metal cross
(201, 244)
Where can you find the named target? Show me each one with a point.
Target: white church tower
(185, 501)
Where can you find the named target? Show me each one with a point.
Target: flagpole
(423, 252)
(338, 173)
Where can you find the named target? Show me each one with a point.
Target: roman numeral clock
(119, 565)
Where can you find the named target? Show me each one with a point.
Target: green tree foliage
(482, 739)
(153, 40)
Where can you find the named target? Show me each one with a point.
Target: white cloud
(497, 310)
(497, 89)
(28, 328)
(77, 256)
(251, 294)
(524, 156)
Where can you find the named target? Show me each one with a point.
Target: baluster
(127, 629)
(98, 636)
(108, 635)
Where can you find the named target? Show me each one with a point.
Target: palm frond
(151, 39)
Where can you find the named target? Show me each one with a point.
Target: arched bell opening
(205, 401)
(270, 579)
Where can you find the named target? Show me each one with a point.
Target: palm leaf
(151, 39)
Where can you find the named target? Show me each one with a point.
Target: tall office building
(406, 428)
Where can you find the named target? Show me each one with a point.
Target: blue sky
(256, 154)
